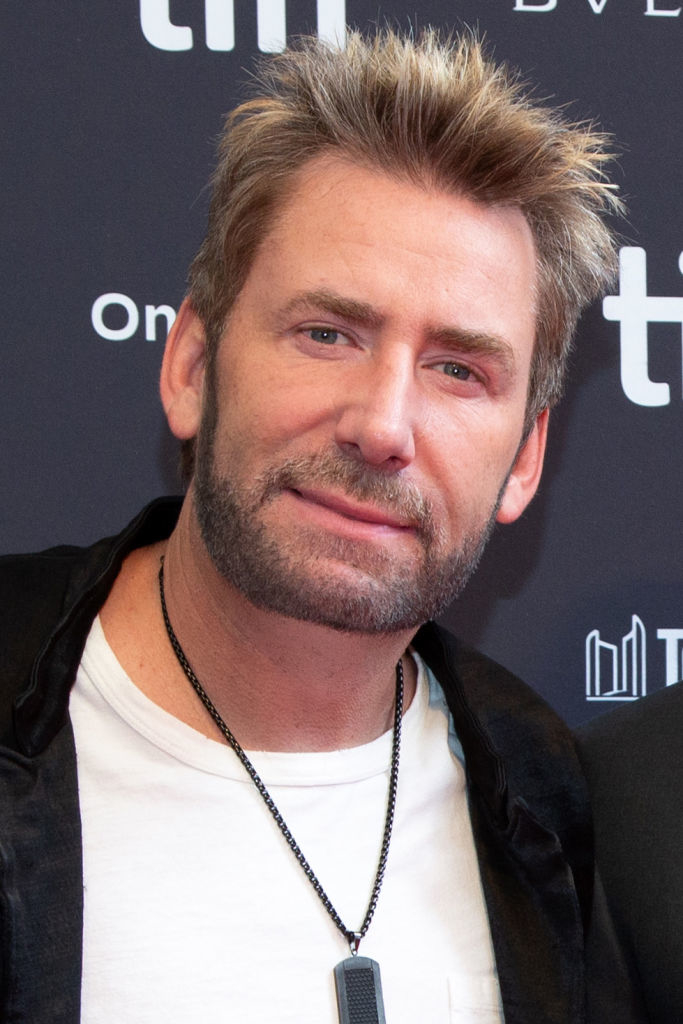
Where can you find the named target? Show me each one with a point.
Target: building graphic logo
(219, 24)
(634, 309)
(619, 671)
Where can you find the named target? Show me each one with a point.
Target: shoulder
(508, 730)
(37, 589)
(633, 760)
(32, 595)
(485, 693)
(48, 601)
(642, 741)
(33, 591)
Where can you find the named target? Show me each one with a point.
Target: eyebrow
(457, 339)
(361, 313)
(476, 343)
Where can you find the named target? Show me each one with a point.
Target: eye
(325, 335)
(456, 370)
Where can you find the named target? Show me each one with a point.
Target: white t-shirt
(196, 909)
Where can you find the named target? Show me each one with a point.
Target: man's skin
(394, 323)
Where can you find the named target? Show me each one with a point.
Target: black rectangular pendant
(359, 991)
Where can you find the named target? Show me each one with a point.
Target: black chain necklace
(357, 979)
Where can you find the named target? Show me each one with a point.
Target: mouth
(355, 512)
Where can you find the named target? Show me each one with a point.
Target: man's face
(368, 401)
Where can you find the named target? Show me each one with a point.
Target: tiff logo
(219, 21)
(619, 671)
(634, 309)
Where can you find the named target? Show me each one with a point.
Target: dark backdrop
(109, 115)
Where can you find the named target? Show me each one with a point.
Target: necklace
(357, 979)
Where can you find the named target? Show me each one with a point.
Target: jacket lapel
(524, 843)
(41, 909)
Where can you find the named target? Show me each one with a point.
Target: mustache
(358, 480)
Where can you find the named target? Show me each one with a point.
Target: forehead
(408, 249)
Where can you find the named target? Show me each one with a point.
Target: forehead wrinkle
(338, 305)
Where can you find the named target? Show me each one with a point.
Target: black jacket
(633, 758)
(527, 796)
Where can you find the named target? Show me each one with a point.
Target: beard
(380, 590)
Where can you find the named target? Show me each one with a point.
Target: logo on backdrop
(116, 317)
(634, 309)
(618, 671)
(655, 8)
(219, 25)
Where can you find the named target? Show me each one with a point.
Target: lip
(354, 511)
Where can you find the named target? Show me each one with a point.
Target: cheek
(260, 423)
(466, 472)
(470, 445)
(278, 408)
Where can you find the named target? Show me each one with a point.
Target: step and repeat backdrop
(109, 116)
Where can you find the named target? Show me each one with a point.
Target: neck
(280, 684)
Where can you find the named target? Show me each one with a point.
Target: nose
(377, 418)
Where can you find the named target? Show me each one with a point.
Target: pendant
(359, 991)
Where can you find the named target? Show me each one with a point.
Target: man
(398, 249)
(633, 759)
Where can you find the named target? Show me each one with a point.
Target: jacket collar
(82, 579)
(514, 743)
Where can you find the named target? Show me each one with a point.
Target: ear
(182, 373)
(526, 472)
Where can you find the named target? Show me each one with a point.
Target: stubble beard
(378, 591)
